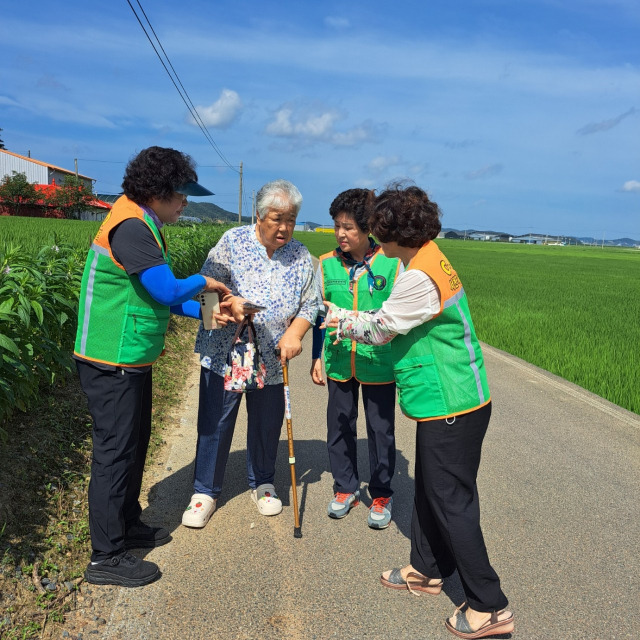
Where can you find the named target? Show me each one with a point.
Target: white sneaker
(199, 511)
(266, 500)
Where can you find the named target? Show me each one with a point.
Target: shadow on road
(169, 497)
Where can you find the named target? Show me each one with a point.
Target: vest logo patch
(379, 283)
(446, 267)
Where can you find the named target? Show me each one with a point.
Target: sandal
(491, 627)
(415, 582)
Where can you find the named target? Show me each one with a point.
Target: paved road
(559, 490)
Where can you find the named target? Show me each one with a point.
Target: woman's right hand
(214, 285)
(316, 372)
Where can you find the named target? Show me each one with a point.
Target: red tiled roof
(49, 189)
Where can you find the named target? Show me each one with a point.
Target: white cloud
(366, 132)
(484, 172)
(336, 22)
(287, 125)
(308, 127)
(222, 112)
(418, 169)
(380, 164)
(631, 186)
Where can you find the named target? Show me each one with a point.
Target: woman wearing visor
(127, 294)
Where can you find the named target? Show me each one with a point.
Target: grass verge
(44, 476)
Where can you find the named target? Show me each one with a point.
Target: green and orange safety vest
(438, 366)
(119, 323)
(348, 359)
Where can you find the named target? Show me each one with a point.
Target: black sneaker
(142, 536)
(124, 569)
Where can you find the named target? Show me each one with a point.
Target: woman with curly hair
(442, 384)
(127, 293)
(357, 275)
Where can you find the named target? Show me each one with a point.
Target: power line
(183, 94)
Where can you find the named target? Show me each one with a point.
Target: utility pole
(240, 198)
(253, 205)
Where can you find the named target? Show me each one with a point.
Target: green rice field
(574, 311)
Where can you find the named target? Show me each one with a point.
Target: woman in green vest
(442, 384)
(127, 293)
(357, 275)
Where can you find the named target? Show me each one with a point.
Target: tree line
(68, 200)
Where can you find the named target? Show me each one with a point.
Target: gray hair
(278, 194)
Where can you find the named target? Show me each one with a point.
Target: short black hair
(404, 214)
(354, 203)
(156, 172)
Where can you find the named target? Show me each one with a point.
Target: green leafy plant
(37, 321)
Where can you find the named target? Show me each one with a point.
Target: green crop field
(573, 311)
(34, 233)
(570, 310)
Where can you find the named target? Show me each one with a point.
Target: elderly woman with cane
(264, 264)
(442, 384)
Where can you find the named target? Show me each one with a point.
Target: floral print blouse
(284, 284)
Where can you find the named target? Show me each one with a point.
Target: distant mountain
(212, 212)
(200, 210)
(620, 242)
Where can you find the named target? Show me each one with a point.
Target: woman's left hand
(223, 319)
(331, 320)
(232, 307)
(290, 346)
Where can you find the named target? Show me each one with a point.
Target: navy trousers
(120, 405)
(342, 414)
(445, 529)
(217, 413)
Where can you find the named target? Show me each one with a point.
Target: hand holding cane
(297, 531)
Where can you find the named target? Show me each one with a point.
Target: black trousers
(120, 405)
(342, 414)
(445, 529)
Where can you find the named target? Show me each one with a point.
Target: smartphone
(209, 304)
(251, 307)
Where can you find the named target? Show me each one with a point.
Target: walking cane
(297, 531)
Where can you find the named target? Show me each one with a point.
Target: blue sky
(519, 116)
